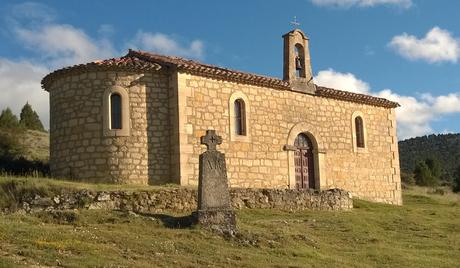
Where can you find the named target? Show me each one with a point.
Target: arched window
(115, 111)
(115, 106)
(239, 111)
(359, 129)
(240, 117)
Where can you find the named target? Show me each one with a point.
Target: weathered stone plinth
(220, 220)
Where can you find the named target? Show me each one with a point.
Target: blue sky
(404, 50)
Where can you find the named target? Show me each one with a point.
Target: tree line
(28, 119)
(432, 160)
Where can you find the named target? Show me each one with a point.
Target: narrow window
(240, 117)
(359, 132)
(115, 111)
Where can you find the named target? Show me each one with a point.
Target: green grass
(425, 232)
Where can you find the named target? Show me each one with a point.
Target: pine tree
(30, 119)
(8, 119)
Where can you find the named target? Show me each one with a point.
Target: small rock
(103, 197)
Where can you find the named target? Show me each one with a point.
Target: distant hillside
(443, 147)
(35, 143)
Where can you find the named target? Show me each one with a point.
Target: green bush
(407, 178)
(10, 147)
(426, 173)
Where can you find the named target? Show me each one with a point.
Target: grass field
(425, 232)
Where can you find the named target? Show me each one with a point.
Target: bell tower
(297, 65)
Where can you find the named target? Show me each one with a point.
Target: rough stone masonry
(167, 104)
(214, 207)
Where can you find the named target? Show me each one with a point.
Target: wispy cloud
(54, 45)
(62, 45)
(415, 114)
(362, 3)
(438, 45)
(166, 44)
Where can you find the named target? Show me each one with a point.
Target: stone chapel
(138, 119)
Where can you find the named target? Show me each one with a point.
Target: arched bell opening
(299, 60)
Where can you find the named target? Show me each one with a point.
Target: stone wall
(183, 200)
(169, 112)
(78, 148)
(275, 118)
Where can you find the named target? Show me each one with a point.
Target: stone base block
(221, 220)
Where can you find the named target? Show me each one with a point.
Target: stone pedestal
(214, 207)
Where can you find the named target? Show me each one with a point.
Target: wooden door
(304, 163)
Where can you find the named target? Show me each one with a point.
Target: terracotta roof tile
(144, 61)
(355, 97)
(199, 68)
(124, 63)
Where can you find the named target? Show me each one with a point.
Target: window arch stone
(108, 131)
(359, 140)
(239, 96)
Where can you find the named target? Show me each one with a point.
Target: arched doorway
(304, 162)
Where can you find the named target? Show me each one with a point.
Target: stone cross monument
(214, 208)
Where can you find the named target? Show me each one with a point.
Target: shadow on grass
(173, 222)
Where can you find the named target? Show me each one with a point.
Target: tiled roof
(199, 68)
(126, 63)
(144, 61)
(355, 97)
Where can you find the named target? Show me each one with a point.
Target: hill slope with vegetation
(444, 148)
(24, 143)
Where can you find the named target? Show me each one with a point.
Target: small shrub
(438, 191)
(407, 178)
(426, 173)
(58, 216)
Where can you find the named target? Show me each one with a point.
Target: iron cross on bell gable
(211, 140)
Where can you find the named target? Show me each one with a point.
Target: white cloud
(64, 44)
(30, 13)
(415, 114)
(362, 3)
(54, 45)
(438, 45)
(344, 81)
(446, 104)
(57, 45)
(20, 83)
(165, 44)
